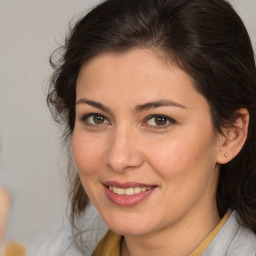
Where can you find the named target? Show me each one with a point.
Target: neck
(180, 239)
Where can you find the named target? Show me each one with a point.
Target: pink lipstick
(127, 194)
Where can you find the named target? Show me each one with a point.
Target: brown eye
(98, 119)
(160, 120)
(95, 119)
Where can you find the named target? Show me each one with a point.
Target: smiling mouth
(129, 191)
(128, 194)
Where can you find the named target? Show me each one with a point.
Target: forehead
(140, 64)
(140, 75)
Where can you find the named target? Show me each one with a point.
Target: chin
(128, 227)
(129, 231)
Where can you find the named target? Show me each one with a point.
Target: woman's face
(144, 143)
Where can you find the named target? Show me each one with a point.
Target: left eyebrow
(157, 104)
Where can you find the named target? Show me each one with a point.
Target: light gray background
(32, 166)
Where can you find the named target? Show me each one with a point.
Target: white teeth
(129, 191)
(137, 190)
(143, 189)
(120, 191)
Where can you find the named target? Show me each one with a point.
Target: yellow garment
(15, 249)
(110, 244)
(202, 247)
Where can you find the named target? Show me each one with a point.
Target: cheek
(88, 153)
(181, 155)
(168, 158)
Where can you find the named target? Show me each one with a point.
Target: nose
(123, 151)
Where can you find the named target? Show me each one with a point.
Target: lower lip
(124, 200)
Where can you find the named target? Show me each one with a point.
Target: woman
(158, 99)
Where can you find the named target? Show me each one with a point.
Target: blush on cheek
(170, 157)
(87, 155)
(176, 160)
(85, 161)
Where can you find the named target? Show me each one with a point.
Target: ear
(231, 143)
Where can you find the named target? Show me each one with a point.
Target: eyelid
(85, 117)
(169, 119)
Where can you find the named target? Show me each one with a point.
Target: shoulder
(54, 244)
(233, 240)
(244, 242)
(61, 242)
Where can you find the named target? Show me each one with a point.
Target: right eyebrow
(94, 104)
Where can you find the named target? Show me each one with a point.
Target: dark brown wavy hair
(207, 39)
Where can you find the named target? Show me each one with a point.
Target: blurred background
(32, 164)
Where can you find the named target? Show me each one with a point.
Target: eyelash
(169, 120)
(85, 118)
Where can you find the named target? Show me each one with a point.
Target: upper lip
(126, 184)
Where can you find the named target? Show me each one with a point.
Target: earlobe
(234, 137)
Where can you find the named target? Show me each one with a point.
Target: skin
(180, 157)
